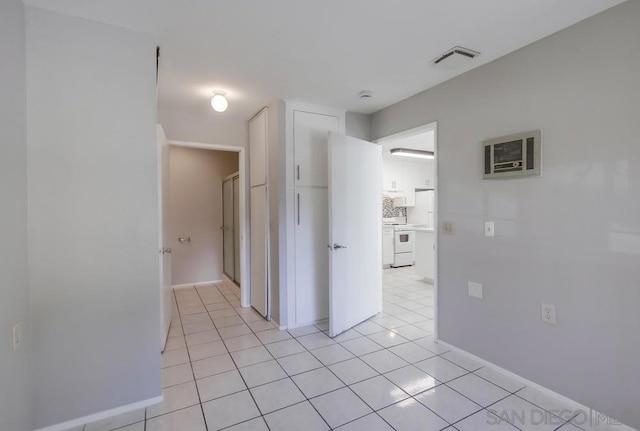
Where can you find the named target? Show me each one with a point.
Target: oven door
(404, 241)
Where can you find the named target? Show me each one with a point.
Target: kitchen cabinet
(387, 245)
(425, 255)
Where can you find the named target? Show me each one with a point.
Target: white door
(236, 229)
(259, 243)
(227, 229)
(165, 237)
(355, 231)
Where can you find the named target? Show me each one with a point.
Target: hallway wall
(93, 216)
(16, 409)
(195, 196)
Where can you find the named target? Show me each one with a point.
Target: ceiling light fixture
(406, 152)
(219, 101)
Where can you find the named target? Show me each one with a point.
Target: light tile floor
(226, 368)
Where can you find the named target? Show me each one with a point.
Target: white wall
(210, 127)
(569, 238)
(15, 378)
(358, 125)
(195, 177)
(93, 216)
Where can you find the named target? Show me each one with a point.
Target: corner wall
(16, 406)
(570, 237)
(195, 177)
(93, 216)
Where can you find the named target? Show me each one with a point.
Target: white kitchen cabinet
(258, 149)
(425, 256)
(387, 245)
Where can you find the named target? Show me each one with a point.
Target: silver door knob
(165, 251)
(337, 246)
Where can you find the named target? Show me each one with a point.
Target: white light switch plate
(475, 290)
(489, 228)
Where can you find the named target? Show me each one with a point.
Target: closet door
(227, 229)
(258, 149)
(312, 255)
(310, 134)
(259, 241)
(236, 229)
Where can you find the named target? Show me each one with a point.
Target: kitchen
(408, 207)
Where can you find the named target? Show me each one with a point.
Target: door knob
(165, 251)
(337, 246)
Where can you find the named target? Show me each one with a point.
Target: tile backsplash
(388, 210)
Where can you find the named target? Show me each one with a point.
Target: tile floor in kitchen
(226, 368)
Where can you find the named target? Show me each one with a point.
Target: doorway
(410, 226)
(168, 238)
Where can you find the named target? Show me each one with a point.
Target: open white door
(164, 237)
(355, 231)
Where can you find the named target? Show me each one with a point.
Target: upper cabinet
(258, 149)
(401, 178)
(310, 135)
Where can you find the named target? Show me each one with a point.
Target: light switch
(475, 290)
(489, 228)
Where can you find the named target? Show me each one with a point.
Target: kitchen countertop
(423, 229)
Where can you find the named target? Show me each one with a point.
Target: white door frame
(436, 231)
(245, 279)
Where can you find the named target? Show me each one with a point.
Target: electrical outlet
(548, 312)
(489, 228)
(17, 336)
(447, 227)
(475, 290)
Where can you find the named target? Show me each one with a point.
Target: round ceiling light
(219, 101)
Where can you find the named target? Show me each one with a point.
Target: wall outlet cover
(447, 227)
(475, 290)
(548, 313)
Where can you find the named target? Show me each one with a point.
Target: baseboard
(576, 406)
(200, 283)
(280, 327)
(102, 415)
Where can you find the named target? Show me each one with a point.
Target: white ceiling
(321, 51)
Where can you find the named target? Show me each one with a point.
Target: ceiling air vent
(455, 56)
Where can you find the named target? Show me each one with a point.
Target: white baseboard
(200, 283)
(280, 327)
(102, 415)
(576, 406)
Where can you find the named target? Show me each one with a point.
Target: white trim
(200, 283)
(245, 278)
(63, 426)
(546, 391)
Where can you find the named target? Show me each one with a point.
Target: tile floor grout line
(195, 382)
(239, 373)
